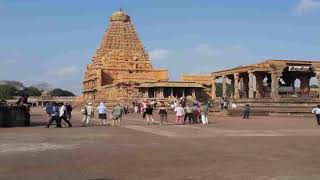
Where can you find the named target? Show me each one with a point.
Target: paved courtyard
(262, 148)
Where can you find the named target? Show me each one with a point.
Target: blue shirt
(102, 110)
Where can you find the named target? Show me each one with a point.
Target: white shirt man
(316, 111)
(87, 114)
(179, 114)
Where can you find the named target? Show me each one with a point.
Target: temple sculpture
(121, 70)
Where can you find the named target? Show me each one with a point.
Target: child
(246, 111)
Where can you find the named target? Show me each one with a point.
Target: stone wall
(11, 116)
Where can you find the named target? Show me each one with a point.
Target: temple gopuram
(121, 70)
(272, 85)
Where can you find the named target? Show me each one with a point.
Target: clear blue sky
(53, 40)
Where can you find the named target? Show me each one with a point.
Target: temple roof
(266, 65)
(171, 84)
(119, 16)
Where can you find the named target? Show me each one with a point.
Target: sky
(52, 41)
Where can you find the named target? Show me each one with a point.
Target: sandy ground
(262, 148)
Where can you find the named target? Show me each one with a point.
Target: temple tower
(119, 63)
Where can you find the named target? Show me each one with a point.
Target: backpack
(84, 111)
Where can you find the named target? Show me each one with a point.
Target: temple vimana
(121, 71)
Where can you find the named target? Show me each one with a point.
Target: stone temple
(121, 70)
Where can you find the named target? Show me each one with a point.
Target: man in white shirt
(316, 111)
(63, 116)
(87, 113)
(102, 111)
(179, 114)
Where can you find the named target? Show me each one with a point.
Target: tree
(7, 91)
(60, 92)
(16, 84)
(30, 91)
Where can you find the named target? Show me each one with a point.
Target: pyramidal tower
(120, 64)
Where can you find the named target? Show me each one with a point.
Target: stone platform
(11, 116)
(281, 106)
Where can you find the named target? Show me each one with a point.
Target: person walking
(63, 116)
(49, 110)
(204, 113)
(69, 111)
(316, 111)
(188, 115)
(196, 114)
(117, 113)
(179, 114)
(246, 111)
(149, 114)
(87, 113)
(54, 115)
(163, 112)
(102, 111)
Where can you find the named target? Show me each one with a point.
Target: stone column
(305, 81)
(236, 86)
(171, 92)
(155, 92)
(193, 92)
(224, 86)
(183, 93)
(318, 78)
(161, 93)
(213, 88)
(251, 94)
(259, 85)
(275, 78)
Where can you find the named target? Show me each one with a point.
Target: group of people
(116, 115)
(194, 114)
(61, 113)
(58, 113)
(224, 103)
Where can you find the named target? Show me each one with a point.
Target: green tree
(30, 91)
(60, 92)
(7, 91)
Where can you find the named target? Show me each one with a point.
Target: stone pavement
(262, 148)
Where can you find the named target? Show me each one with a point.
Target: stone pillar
(305, 81)
(161, 93)
(251, 94)
(171, 92)
(236, 86)
(183, 92)
(259, 85)
(213, 88)
(275, 78)
(193, 92)
(318, 78)
(245, 89)
(224, 86)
